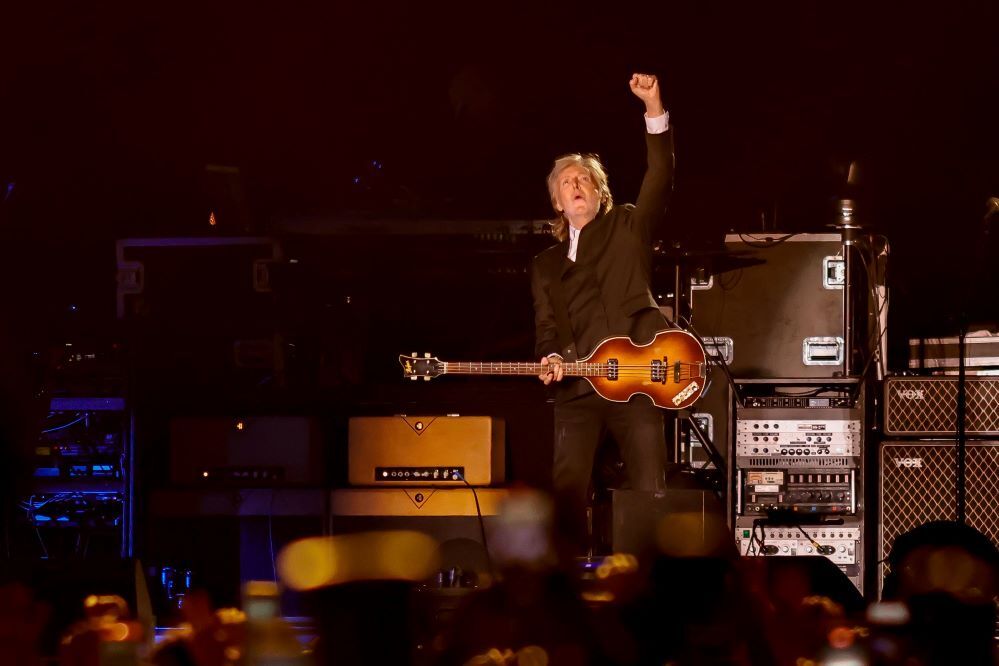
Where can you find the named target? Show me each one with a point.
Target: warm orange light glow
(532, 655)
(617, 563)
(827, 604)
(230, 615)
(492, 657)
(391, 555)
(240, 425)
(535, 655)
(117, 631)
(841, 637)
(308, 564)
(108, 607)
(211, 219)
(260, 588)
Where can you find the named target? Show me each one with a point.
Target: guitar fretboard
(516, 368)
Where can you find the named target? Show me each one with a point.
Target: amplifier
(409, 502)
(426, 450)
(918, 486)
(449, 515)
(257, 450)
(927, 406)
(796, 491)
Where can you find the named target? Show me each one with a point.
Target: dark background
(109, 115)
(424, 113)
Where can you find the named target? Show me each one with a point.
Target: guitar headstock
(425, 366)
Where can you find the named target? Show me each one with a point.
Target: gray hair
(592, 164)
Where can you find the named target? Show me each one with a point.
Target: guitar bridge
(612, 369)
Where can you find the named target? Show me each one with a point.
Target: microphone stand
(681, 286)
(962, 386)
(849, 231)
(962, 369)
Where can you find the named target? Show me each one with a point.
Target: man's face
(577, 195)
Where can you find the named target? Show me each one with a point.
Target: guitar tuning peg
(426, 354)
(415, 355)
(413, 377)
(426, 378)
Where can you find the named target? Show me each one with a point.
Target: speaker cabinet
(927, 406)
(919, 485)
(675, 522)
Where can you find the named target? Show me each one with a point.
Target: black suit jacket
(617, 245)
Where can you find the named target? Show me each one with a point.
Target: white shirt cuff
(657, 125)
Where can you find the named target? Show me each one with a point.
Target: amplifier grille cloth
(917, 406)
(912, 496)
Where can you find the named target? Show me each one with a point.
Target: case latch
(833, 272)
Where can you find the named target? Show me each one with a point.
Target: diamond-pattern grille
(928, 406)
(918, 485)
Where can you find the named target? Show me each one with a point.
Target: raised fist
(646, 88)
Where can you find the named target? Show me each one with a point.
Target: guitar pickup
(658, 371)
(676, 372)
(612, 369)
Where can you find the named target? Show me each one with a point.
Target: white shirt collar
(573, 242)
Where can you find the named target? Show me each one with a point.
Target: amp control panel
(440, 474)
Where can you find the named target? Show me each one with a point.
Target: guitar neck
(576, 369)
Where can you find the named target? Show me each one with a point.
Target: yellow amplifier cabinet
(429, 501)
(426, 450)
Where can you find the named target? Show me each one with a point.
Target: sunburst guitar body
(671, 369)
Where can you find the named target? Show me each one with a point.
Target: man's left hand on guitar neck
(554, 364)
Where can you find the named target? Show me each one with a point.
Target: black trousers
(580, 424)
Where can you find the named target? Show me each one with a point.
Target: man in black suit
(595, 284)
